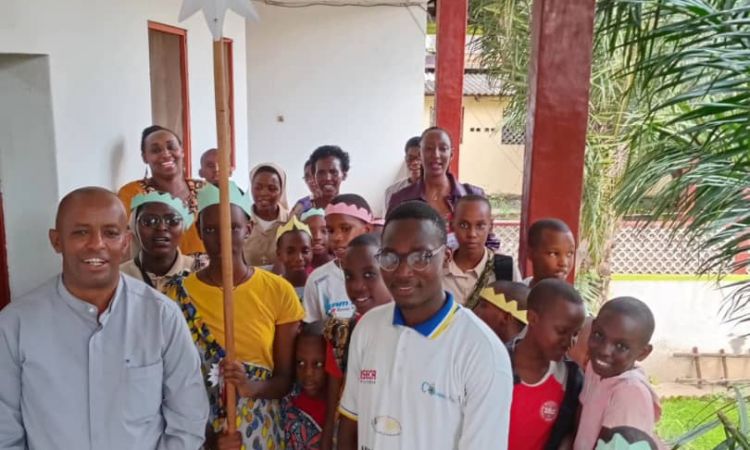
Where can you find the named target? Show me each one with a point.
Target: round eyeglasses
(154, 221)
(419, 260)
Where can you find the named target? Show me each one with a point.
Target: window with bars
(512, 135)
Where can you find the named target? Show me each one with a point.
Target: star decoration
(215, 10)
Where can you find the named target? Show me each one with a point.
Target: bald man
(94, 360)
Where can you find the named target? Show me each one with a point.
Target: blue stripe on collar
(427, 327)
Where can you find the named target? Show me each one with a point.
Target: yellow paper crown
(509, 306)
(293, 224)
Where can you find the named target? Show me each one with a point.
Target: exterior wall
(484, 161)
(688, 315)
(348, 76)
(98, 100)
(99, 73)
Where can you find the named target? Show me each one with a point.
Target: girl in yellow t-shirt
(267, 313)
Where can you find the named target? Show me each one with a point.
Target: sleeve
(185, 403)
(349, 406)
(631, 405)
(332, 368)
(311, 301)
(290, 309)
(488, 396)
(12, 433)
(126, 194)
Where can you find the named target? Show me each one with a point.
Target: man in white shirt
(423, 372)
(93, 359)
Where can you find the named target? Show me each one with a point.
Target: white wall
(99, 69)
(348, 76)
(28, 177)
(687, 315)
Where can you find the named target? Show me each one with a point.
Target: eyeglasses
(153, 221)
(419, 260)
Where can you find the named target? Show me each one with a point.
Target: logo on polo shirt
(549, 410)
(368, 376)
(386, 425)
(430, 389)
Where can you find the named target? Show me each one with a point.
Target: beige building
(488, 157)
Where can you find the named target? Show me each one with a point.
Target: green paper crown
(162, 197)
(620, 443)
(209, 196)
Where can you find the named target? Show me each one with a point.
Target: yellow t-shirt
(260, 304)
(191, 242)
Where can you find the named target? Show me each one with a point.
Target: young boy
(294, 253)
(551, 250)
(545, 394)
(315, 218)
(423, 372)
(209, 170)
(304, 410)
(366, 289)
(347, 216)
(474, 266)
(502, 306)
(616, 391)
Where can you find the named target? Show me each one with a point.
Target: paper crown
(209, 196)
(509, 306)
(349, 210)
(162, 197)
(620, 443)
(314, 212)
(293, 224)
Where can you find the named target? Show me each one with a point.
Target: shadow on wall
(117, 164)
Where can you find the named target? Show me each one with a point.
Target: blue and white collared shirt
(442, 384)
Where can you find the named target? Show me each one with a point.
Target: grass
(682, 414)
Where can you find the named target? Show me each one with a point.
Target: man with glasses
(92, 359)
(423, 372)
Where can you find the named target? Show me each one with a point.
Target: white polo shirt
(325, 294)
(443, 384)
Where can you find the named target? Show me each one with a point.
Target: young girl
(616, 392)
(294, 253)
(316, 219)
(267, 314)
(304, 411)
(347, 216)
(365, 287)
(159, 221)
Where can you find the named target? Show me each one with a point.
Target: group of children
(576, 382)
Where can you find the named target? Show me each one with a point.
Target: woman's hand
(229, 441)
(234, 373)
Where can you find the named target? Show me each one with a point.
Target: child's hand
(234, 373)
(229, 441)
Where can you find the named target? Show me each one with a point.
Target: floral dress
(259, 421)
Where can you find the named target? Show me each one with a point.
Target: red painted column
(559, 80)
(452, 16)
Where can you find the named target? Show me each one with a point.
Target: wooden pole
(227, 281)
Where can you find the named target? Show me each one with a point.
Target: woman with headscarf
(162, 150)
(159, 221)
(270, 210)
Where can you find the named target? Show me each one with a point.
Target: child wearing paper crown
(502, 306)
(347, 216)
(159, 221)
(294, 253)
(267, 313)
(616, 391)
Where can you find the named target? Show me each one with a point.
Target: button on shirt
(443, 384)
(73, 379)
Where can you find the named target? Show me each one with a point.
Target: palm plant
(690, 65)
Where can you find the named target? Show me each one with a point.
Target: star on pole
(215, 10)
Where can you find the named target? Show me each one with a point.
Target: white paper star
(215, 10)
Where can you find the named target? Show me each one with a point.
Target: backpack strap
(565, 422)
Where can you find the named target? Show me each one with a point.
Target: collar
(457, 189)
(477, 270)
(435, 325)
(87, 310)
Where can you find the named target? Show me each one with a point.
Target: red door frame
(4, 275)
(185, 91)
(452, 17)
